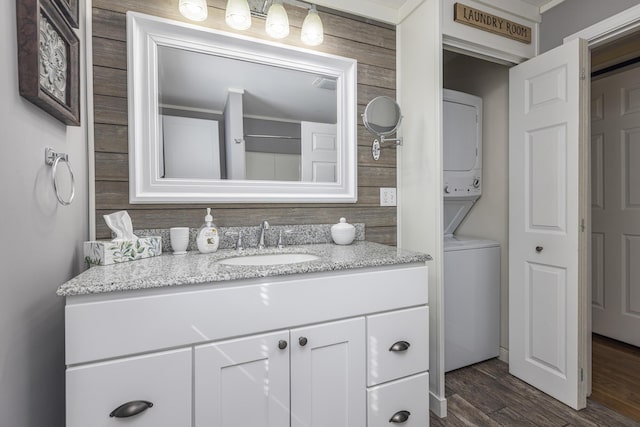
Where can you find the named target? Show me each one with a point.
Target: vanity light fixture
(277, 23)
(312, 33)
(238, 14)
(196, 10)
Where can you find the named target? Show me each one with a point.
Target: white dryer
(471, 266)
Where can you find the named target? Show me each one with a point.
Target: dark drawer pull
(400, 346)
(282, 344)
(130, 409)
(400, 417)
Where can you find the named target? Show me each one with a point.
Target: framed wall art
(69, 9)
(48, 60)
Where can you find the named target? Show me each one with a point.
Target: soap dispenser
(208, 238)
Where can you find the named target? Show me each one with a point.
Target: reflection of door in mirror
(319, 152)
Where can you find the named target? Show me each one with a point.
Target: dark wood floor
(485, 395)
(616, 376)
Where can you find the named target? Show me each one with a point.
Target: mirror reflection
(382, 116)
(227, 118)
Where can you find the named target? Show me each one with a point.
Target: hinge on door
(581, 374)
(582, 226)
(583, 74)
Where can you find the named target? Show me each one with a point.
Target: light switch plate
(388, 197)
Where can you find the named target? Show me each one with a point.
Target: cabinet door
(328, 370)
(243, 382)
(163, 379)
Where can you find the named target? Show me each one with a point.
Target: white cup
(179, 239)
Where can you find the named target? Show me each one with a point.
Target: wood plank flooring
(616, 376)
(486, 395)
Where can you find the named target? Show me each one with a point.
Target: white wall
(572, 16)
(489, 217)
(40, 247)
(419, 55)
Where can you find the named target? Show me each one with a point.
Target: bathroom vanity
(187, 341)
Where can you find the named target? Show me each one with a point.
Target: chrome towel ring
(53, 159)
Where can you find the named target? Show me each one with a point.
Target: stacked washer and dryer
(471, 265)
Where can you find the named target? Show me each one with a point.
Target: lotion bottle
(208, 238)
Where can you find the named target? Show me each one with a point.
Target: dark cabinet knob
(400, 417)
(130, 409)
(302, 341)
(400, 346)
(539, 249)
(282, 344)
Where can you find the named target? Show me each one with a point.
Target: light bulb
(238, 14)
(312, 32)
(196, 10)
(277, 24)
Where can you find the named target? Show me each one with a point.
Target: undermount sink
(269, 259)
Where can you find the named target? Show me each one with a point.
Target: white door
(328, 375)
(243, 382)
(319, 152)
(547, 287)
(615, 185)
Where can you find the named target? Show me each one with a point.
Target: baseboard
(438, 405)
(504, 354)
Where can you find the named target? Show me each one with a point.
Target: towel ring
(53, 159)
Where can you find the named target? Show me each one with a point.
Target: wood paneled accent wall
(373, 46)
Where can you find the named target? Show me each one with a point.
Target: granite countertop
(196, 268)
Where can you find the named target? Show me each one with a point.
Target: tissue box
(105, 252)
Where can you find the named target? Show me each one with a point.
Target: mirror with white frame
(217, 117)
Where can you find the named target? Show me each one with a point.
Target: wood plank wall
(373, 46)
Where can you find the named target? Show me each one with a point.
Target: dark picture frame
(48, 60)
(69, 9)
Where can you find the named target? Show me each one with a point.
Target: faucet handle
(239, 245)
(281, 243)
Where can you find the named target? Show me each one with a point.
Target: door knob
(539, 249)
(282, 344)
(302, 341)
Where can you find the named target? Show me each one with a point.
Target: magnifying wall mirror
(382, 117)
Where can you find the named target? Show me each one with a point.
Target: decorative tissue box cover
(107, 252)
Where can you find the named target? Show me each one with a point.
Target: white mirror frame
(144, 34)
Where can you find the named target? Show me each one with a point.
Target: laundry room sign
(494, 24)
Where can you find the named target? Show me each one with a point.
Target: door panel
(328, 375)
(546, 178)
(615, 139)
(547, 288)
(243, 382)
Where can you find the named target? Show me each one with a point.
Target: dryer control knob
(476, 183)
(446, 189)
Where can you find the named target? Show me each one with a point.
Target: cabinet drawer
(164, 379)
(406, 398)
(397, 344)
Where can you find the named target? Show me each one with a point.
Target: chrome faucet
(263, 227)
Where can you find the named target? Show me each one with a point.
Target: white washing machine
(471, 266)
(471, 301)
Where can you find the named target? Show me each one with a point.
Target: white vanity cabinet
(298, 350)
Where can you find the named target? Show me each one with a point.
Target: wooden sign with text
(491, 23)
